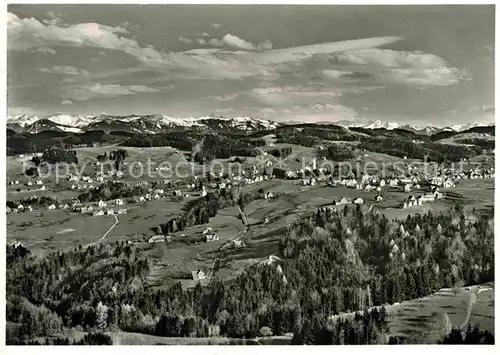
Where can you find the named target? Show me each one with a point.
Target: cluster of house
(102, 208)
(411, 200)
(308, 170)
(153, 194)
(209, 235)
(459, 174)
(30, 183)
(347, 200)
(19, 208)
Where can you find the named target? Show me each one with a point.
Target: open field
(125, 338)
(420, 320)
(54, 230)
(45, 231)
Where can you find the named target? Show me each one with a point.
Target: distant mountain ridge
(132, 123)
(427, 130)
(157, 123)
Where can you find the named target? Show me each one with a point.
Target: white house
(378, 198)
(358, 201)
(198, 275)
(30, 183)
(119, 202)
(42, 188)
(381, 183)
(211, 237)
(448, 183)
(52, 207)
(122, 211)
(39, 182)
(407, 188)
(99, 213)
(142, 199)
(102, 203)
(110, 211)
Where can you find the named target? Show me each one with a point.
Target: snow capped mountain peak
(156, 123)
(138, 123)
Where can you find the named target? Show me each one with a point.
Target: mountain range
(158, 123)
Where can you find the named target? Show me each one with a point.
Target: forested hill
(333, 261)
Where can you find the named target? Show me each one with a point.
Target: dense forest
(431, 151)
(333, 261)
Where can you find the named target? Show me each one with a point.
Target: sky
(408, 64)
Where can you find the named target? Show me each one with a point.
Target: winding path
(110, 228)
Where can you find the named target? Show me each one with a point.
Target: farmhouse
(110, 212)
(122, 211)
(268, 195)
(99, 213)
(393, 182)
(238, 243)
(344, 200)
(211, 237)
(157, 238)
(102, 203)
(198, 275)
(119, 202)
(358, 201)
(42, 188)
(378, 198)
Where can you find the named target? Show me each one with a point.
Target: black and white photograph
(249, 174)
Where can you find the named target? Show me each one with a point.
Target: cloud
(201, 41)
(66, 102)
(237, 42)
(216, 25)
(19, 110)
(304, 52)
(398, 67)
(44, 50)
(185, 40)
(266, 45)
(216, 42)
(68, 70)
(28, 33)
(205, 34)
(228, 97)
(86, 92)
